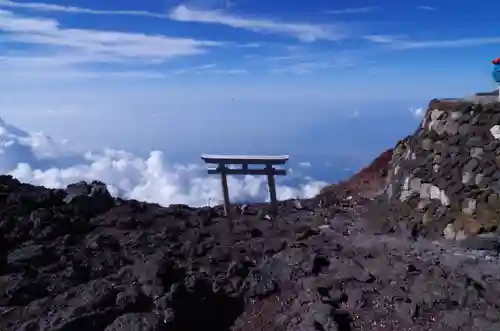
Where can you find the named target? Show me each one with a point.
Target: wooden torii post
(243, 162)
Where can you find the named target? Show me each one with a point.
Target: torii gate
(222, 161)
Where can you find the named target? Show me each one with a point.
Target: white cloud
(97, 45)
(381, 39)
(210, 68)
(40, 74)
(37, 61)
(302, 31)
(463, 42)
(283, 58)
(417, 112)
(37, 159)
(306, 67)
(66, 66)
(399, 42)
(428, 8)
(357, 10)
(249, 45)
(196, 69)
(49, 7)
(300, 68)
(239, 71)
(308, 190)
(28, 69)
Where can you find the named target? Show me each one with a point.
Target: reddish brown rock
(367, 183)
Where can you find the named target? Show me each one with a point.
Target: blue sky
(338, 79)
(266, 41)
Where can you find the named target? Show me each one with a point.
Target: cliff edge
(367, 183)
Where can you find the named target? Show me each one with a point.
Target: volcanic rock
(443, 181)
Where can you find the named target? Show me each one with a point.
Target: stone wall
(445, 178)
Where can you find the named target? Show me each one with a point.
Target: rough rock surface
(91, 262)
(444, 179)
(369, 182)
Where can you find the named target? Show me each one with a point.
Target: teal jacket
(496, 73)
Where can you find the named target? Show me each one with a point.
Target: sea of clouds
(37, 159)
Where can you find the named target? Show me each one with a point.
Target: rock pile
(444, 180)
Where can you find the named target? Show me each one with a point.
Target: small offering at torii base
(496, 74)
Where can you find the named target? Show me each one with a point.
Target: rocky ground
(78, 259)
(369, 182)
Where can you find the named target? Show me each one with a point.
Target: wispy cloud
(249, 45)
(402, 42)
(43, 61)
(382, 39)
(48, 7)
(464, 42)
(304, 67)
(39, 74)
(302, 31)
(309, 60)
(239, 71)
(283, 58)
(210, 68)
(428, 8)
(96, 44)
(207, 66)
(301, 68)
(357, 10)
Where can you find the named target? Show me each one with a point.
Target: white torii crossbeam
(219, 165)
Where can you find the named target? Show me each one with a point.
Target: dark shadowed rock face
(91, 262)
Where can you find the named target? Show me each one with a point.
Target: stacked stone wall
(445, 178)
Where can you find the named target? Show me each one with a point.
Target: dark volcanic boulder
(75, 190)
(89, 199)
(3, 254)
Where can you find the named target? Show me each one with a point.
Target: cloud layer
(49, 7)
(303, 32)
(38, 159)
(97, 45)
(354, 10)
